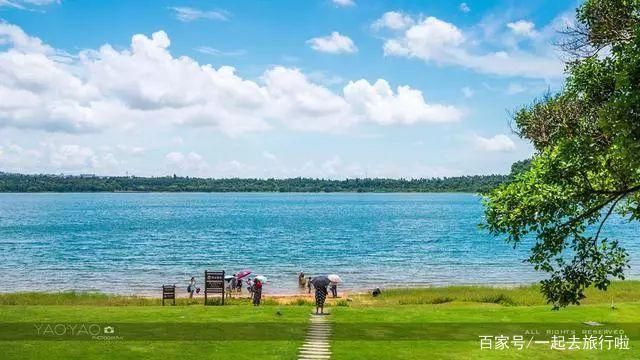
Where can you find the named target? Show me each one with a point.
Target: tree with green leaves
(586, 165)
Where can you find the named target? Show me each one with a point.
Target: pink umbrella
(243, 273)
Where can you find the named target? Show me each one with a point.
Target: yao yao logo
(78, 331)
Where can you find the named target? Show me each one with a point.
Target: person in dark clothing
(257, 292)
(321, 296)
(192, 287)
(334, 290)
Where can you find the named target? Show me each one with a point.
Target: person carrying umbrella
(320, 283)
(335, 279)
(236, 283)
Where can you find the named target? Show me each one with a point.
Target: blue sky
(321, 88)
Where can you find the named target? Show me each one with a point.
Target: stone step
(312, 346)
(313, 357)
(316, 340)
(315, 352)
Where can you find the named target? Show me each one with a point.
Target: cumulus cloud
(14, 157)
(393, 20)
(71, 157)
(379, 103)
(497, 143)
(335, 43)
(304, 105)
(464, 7)
(55, 157)
(344, 3)
(188, 14)
(191, 162)
(522, 28)
(94, 90)
(434, 40)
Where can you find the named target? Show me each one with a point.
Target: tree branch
(616, 194)
(595, 240)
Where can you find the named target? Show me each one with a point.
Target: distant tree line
(10, 182)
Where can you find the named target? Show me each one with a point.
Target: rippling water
(133, 243)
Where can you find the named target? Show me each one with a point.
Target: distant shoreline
(242, 192)
(21, 183)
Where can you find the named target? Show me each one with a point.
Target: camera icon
(108, 330)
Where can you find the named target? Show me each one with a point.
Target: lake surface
(132, 243)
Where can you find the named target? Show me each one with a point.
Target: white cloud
(191, 162)
(95, 90)
(335, 43)
(464, 7)
(522, 28)
(344, 2)
(188, 14)
(497, 143)
(77, 158)
(393, 20)
(26, 4)
(71, 157)
(14, 157)
(467, 92)
(303, 105)
(53, 157)
(379, 103)
(216, 52)
(433, 40)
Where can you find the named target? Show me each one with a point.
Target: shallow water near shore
(132, 243)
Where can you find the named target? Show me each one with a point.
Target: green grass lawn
(238, 331)
(434, 323)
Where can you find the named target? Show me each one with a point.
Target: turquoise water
(133, 243)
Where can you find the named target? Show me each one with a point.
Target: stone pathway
(316, 345)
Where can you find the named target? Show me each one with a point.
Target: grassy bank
(438, 323)
(618, 292)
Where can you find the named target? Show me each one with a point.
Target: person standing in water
(192, 287)
(257, 292)
(334, 289)
(302, 281)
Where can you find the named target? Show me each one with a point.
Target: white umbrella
(261, 278)
(334, 278)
